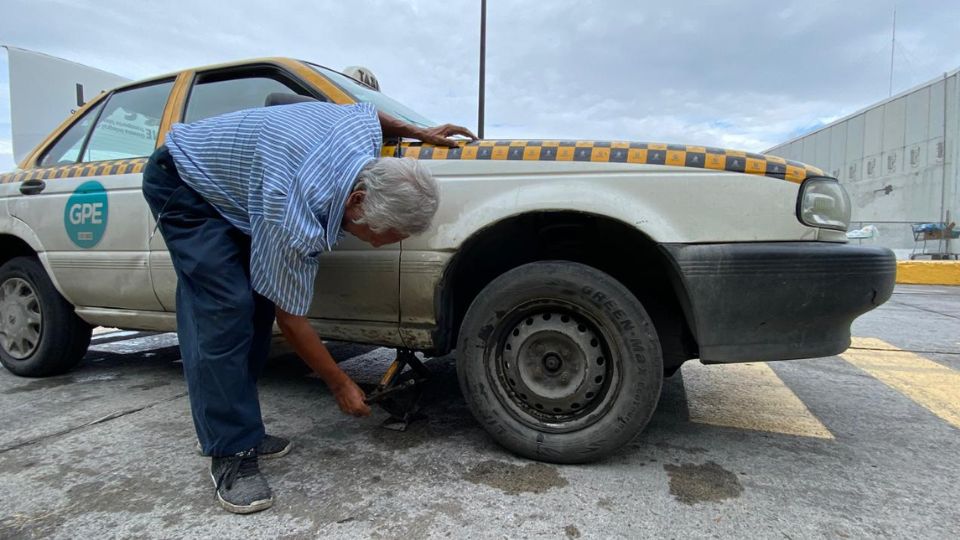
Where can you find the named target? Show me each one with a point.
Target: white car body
(625, 259)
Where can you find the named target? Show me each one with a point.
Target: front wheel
(559, 362)
(40, 335)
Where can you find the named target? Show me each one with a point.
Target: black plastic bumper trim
(779, 300)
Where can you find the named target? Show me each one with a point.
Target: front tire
(559, 362)
(40, 335)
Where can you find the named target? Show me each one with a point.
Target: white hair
(363, 75)
(401, 194)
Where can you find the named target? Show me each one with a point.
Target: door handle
(32, 187)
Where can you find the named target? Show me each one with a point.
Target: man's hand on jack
(310, 348)
(350, 398)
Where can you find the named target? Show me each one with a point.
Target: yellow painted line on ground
(928, 272)
(747, 396)
(931, 385)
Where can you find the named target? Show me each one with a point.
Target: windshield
(382, 102)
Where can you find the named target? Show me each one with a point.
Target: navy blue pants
(224, 327)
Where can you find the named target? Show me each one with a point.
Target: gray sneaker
(241, 488)
(270, 447)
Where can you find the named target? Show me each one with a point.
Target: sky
(745, 74)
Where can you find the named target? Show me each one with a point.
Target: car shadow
(442, 403)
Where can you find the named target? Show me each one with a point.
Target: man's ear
(353, 209)
(356, 198)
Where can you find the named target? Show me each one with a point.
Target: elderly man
(246, 203)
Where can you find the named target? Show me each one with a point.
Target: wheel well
(11, 246)
(603, 243)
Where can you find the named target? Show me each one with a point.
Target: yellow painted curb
(928, 272)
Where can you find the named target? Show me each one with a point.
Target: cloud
(6, 144)
(746, 74)
(6, 155)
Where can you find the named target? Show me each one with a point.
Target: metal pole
(944, 212)
(483, 63)
(893, 44)
(943, 170)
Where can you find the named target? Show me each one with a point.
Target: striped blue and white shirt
(281, 175)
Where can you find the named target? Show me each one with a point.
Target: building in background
(898, 160)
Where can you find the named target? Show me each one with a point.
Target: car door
(355, 283)
(89, 213)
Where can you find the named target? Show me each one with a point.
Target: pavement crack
(924, 309)
(102, 420)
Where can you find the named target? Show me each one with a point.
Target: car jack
(401, 399)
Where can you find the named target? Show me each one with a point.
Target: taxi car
(569, 276)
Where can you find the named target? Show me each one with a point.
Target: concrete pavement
(862, 445)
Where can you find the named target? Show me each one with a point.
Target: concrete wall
(897, 159)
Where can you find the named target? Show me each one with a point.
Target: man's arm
(392, 127)
(311, 349)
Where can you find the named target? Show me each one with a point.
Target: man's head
(393, 198)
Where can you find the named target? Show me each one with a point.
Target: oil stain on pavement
(691, 484)
(515, 479)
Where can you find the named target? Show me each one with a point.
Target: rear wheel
(40, 335)
(559, 362)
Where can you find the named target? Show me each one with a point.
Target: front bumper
(779, 300)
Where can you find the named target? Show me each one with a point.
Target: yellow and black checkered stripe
(701, 157)
(78, 170)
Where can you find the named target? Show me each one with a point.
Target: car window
(129, 124)
(67, 148)
(381, 101)
(212, 98)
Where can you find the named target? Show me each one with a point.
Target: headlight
(824, 203)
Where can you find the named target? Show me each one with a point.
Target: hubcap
(20, 318)
(554, 368)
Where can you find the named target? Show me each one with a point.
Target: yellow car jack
(401, 399)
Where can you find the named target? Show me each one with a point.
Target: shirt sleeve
(302, 215)
(367, 115)
(283, 268)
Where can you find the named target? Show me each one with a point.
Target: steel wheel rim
(554, 368)
(21, 320)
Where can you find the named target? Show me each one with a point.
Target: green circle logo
(85, 217)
